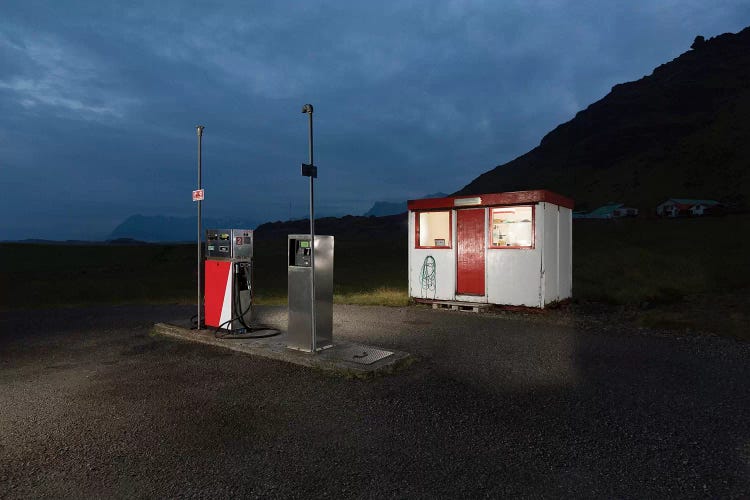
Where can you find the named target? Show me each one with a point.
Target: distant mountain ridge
(680, 132)
(350, 226)
(152, 228)
(381, 208)
(155, 228)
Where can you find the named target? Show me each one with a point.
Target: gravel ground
(92, 405)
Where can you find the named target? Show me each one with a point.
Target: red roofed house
(677, 207)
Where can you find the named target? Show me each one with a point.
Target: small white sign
(465, 202)
(198, 195)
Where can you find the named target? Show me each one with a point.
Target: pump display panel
(218, 243)
(229, 244)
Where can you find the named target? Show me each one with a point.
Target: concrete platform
(347, 359)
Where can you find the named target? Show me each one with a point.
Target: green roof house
(609, 211)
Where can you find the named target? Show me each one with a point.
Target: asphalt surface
(92, 405)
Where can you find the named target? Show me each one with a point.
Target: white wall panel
(513, 277)
(550, 268)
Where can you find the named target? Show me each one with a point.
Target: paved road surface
(91, 405)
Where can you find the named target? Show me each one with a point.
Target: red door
(470, 252)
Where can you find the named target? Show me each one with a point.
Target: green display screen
(304, 244)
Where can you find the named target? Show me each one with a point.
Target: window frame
(490, 243)
(449, 243)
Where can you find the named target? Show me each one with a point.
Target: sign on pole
(198, 195)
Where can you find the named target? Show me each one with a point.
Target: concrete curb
(331, 361)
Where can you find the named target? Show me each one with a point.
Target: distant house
(705, 209)
(608, 211)
(626, 212)
(677, 207)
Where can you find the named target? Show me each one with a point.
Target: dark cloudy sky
(99, 100)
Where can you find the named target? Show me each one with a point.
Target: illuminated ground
(498, 405)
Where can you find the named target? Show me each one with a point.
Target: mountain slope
(162, 228)
(680, 132)
(381, 208)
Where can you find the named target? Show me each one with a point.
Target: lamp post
(199, 132)
(311, 172)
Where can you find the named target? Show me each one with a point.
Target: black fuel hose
(241, 317)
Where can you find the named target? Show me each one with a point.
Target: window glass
(435, 229)
(512, 227)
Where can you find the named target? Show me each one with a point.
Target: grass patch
(41, 275)
(51, 275)
(364, 273)
(379, 297)
(270, 300)
(660, 262)
(382, 296)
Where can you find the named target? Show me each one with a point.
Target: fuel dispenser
(228, 296)
(302, 335)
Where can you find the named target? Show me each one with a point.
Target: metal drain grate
(363, 355)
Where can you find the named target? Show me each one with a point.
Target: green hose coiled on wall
(428, 276)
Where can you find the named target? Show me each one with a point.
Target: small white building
(675, 207)
(504, 248)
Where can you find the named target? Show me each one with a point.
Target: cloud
(411, 97)
(60, 76)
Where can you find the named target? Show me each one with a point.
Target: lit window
(434, 229)
(512, 227)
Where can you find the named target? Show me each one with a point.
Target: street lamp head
(307, 108)
(199, 129)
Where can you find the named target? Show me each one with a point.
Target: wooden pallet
(460, 306)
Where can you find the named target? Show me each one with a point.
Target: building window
(433, 229)
(512, 227)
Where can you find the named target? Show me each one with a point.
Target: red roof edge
(493, 199)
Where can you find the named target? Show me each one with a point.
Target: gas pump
(228, 296)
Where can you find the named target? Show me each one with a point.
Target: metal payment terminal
(301, 334)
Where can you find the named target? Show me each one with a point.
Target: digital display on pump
(304, 244)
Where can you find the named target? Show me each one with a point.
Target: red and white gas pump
(228, 292)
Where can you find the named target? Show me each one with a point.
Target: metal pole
(199, 131)
(307, 108)
(312, 237)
